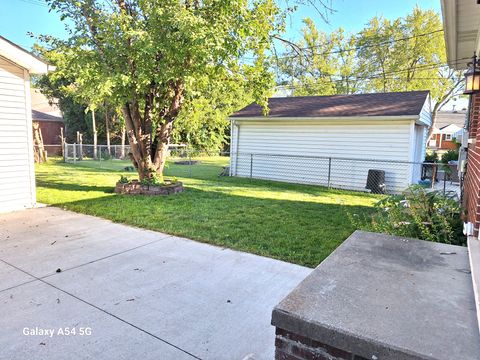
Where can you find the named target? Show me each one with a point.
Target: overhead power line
(35, 2)
(366, 46)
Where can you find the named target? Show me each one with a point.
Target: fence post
(329, 170)
(65, 151)
(444, 180)
(74, 153)
(251, 166)
(190, 162)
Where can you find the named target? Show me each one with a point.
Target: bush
(421, 214)
(449, 156)
(433, 157)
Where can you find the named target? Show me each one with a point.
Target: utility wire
(339, 51)
(360, 47)
(35, 2)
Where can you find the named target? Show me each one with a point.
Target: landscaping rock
(136, 188)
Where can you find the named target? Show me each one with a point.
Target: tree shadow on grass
(301, 232)
(73, 187)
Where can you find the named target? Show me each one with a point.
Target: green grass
(296, 223)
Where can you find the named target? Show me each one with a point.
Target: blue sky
(353, 15)
(17, 17)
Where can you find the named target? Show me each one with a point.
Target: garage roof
(377, 104)
(42, 116)
(22, 57)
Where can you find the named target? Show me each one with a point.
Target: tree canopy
(403, 54)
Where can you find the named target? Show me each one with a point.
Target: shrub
(123, 180)
(449, 156)
(154, 180)
(419, 213)
(433, 157)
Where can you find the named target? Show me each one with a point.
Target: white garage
(17, 177)
(333, 140)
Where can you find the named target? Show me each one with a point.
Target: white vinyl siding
(16, 164)
(307, 147)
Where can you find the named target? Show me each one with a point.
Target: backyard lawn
(297, 223)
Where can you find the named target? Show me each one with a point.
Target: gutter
(329, 118)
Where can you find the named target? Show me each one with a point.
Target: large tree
(408, 54)
(155, 58)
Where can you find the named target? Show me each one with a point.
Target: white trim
(22, 57)
(449, 15)
(31, 161)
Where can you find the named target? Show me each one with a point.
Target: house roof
(22, 57)
(42, 116)
(41, 103)
(448, 129)
(445, 118)
(377, 104)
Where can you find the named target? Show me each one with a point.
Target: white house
(333, 140)
(17, 177)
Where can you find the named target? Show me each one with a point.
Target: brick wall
(290, 346)
(471, 187)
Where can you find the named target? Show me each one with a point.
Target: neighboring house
(50, 121)
(294, 143)
(17, 177)
(448, 131)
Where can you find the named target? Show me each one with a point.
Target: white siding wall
(17, 189)
(305, 141)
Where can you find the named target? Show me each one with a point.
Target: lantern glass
(472, 78)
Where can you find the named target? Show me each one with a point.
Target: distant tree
(402, 54)
(408, 54)
(315, 66)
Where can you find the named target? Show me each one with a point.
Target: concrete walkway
(129, 293)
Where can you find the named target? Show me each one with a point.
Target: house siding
(17, 182)
(306, 147)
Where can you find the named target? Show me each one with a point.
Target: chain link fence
(372, 175)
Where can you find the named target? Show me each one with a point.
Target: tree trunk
(148, 149)
(40, 155)
(62, 141)
(80, 145)
(94, 128)
(122, 153)
(107, 131)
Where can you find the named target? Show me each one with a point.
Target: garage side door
(16, 172)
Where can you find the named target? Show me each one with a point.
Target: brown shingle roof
(41, 116)
(377, 104)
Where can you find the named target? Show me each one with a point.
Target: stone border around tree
(135, 188)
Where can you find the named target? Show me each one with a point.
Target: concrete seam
(78, 266)
(105, 312)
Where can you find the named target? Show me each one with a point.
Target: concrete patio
(141, 294)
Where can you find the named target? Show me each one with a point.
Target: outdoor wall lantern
(472, 77)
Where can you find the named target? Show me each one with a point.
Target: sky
(18, 17)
